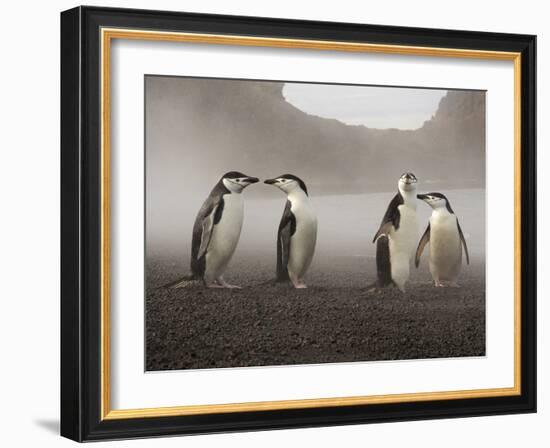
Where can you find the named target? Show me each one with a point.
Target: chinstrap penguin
(397, 236)
(217, 230)
(297, 234)
(446, 241)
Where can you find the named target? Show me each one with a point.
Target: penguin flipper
(392, 217)
(208, 221)
(423, 241)
(383, 230)
(463, 242)
(287, 227)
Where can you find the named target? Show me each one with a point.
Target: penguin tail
(182, 282)
(383, 263)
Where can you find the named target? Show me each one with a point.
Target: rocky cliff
(221, 125)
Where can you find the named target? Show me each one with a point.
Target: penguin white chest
(402, 244)
(302, 243)
(445, 247)
(405, 238)
(225, 235)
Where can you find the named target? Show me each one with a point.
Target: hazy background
(374, 107)
(197, 129)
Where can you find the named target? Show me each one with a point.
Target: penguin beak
(252, 180)
(270, 181)
(422, 197)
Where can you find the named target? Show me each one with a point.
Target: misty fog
(197, 129)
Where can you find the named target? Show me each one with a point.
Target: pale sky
(374, 107)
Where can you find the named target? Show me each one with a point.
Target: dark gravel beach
(335, 320)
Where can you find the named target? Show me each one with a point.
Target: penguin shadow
(420, 290)
(280, 286)
(391, 292)
(417, 291)
(199, 287)
(427, 292)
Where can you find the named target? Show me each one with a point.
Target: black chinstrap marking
(297, 179)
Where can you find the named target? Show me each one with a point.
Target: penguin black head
(407, 182)
(236, 181)
(436, 200)
(287, 183)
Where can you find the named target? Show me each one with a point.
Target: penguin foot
(378, 288)
(298, 284)
(440, 284)
(220, 282)
(227, 286)
(184, 284)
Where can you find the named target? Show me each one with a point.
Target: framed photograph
(276, 224)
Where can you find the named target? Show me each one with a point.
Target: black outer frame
(80, 223)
